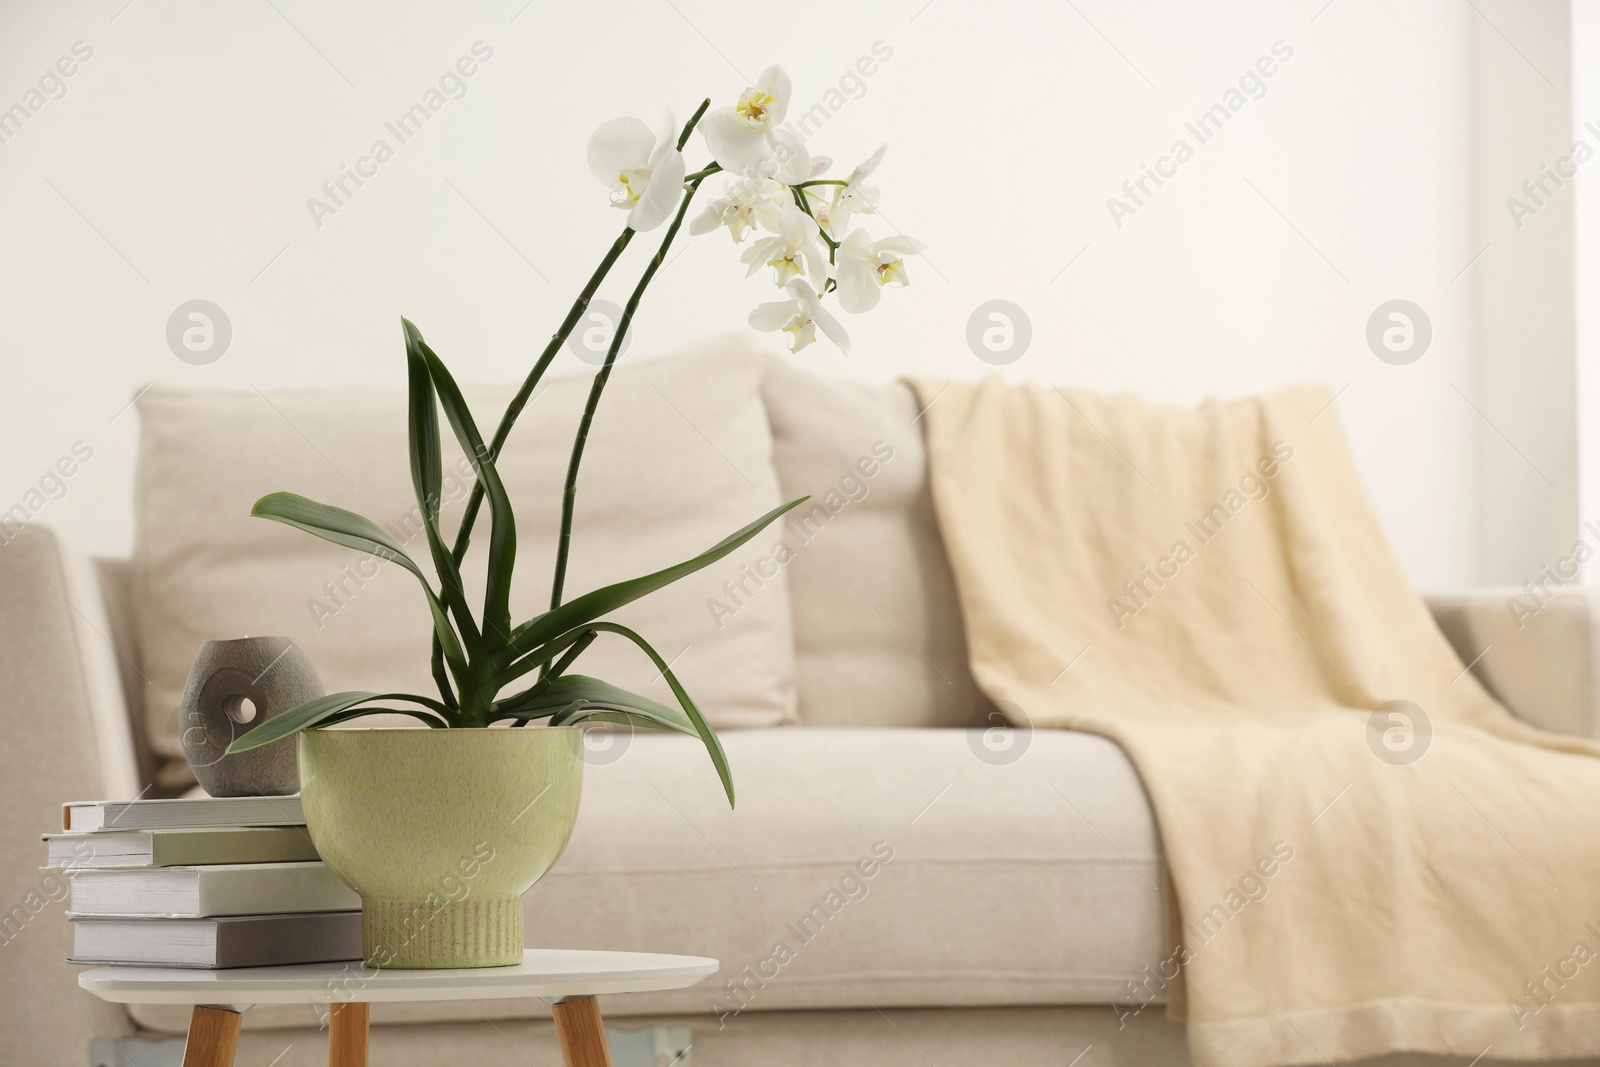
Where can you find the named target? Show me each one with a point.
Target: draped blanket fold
(1367, 853)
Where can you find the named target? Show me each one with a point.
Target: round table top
(549, 973)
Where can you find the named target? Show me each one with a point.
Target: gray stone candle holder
(233, 687)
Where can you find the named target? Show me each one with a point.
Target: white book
(196, 892)
(88, 816)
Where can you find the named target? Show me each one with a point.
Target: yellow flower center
(754, 105)
(787, 267)
(626, 195)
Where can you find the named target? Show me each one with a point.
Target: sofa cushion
(944, 874)
(877, 626)
(679, 457)
(898, 868)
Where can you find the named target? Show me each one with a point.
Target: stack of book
(208, 882)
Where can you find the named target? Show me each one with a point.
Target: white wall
(1522, 287)
(179, 163)
(1586, 207)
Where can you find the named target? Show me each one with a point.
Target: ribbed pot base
(476, 932)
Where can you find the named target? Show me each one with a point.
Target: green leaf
(570, 645)
(334, 524)
(624, 716)
(427, 465)
(702, 729)
(424, 429)
(574, 698)
(320, 712)
(431, 719)
(427, 475)
(574, 613)
(362, 534)
(503, 532)
(540, 657)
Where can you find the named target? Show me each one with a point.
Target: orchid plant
(479, 659)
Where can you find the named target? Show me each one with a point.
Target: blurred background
(1356, 153)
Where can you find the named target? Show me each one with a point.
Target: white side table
(567, 980)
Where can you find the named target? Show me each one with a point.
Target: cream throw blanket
(1210, 589)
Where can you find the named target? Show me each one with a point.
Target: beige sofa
(899, 884)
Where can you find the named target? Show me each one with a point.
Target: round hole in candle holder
(241, 709)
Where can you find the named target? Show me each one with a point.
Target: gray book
(216, 943)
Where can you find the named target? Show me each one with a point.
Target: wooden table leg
(582, 1034)
(347, 1034)
(213, 1038)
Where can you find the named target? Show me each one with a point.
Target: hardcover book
(81, 816)
(180, 848)
(197, 892)
(229, 941)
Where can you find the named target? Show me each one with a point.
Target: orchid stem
(509, 419)
(688, 128)
(800, 201)
(569, 493)
(520, 401)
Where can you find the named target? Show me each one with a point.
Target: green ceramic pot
(441, 832)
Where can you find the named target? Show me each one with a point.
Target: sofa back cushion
(680, 456)
(877, 626)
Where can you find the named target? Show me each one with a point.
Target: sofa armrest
(52, 753)
(1539, 661)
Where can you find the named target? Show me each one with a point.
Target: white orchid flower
(801, 316)
(865, 266)
(791, 161)
(794, 250)
(744, 138)
(822, 209)
(854, 197)
(643, 170)
(749, 202)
